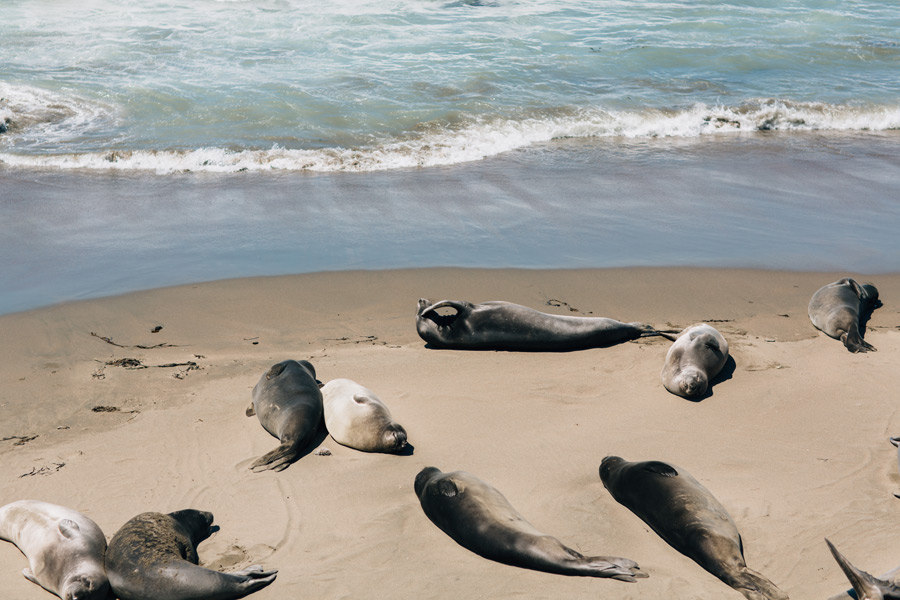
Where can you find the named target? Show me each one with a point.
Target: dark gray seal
(689, 518)
(841, 309)
(480, 519)
(696, 357)
(64, 548)
(506, 326)
(866, 586)
(154, 557)
(288, 403)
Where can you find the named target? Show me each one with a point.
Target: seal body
(867, 587)
(507, 326)
(696, 357)
(154, 556)
(288, 403)
(64, 548)
(687, 516)
(356, 417)
(840, 309)
(480, 519)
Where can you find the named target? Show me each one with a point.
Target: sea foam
(445, 145)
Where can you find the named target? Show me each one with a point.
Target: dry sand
(794, 443)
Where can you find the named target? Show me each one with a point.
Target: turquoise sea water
(165, 142)
(360, 85)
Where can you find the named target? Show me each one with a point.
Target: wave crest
(475, 140)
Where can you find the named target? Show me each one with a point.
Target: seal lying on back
(840, 309)
(689, 518)
(154, 557)
(867, 587)
(696, 357)
(480, 519)
(64, 548)
(288, 403)
(507, 326)
(357, 418)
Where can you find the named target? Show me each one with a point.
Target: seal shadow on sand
(724, 375)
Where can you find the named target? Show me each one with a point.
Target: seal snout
(693, 383)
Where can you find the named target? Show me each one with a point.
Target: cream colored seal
(64, 548)
(357, 418)
(696, 357)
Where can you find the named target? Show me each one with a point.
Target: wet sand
(793, 440)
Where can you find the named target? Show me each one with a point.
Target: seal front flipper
(866, 586)
(29, 575)
(660, 468)
(613, 567)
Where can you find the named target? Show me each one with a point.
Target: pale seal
(480, 519)
(154, 556)
(687, 516)
(288, 403)
(696, 357)
(64, 548)
(357, 418)
(841, 309)
(867, 587)
(506, 326)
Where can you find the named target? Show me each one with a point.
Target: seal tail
(755, 586)
(865, 586)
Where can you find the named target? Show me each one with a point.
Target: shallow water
(804, 202)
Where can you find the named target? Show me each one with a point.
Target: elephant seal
(896, 442)
(506, 326)
(696, 357)
(689, 518)
(64, 548)
(480, 519)
(154, 556)
(866, 586)
(288, 403)
(357, 418)
(840, 309)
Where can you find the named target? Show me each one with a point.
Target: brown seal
(480, 519)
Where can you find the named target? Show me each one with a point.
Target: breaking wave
(435, 145)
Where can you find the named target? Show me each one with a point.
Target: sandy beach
(792, 441)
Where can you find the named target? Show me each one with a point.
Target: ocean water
(168, 142)
(359, 85)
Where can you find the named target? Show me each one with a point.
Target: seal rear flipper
(866, 586)
(278, 459)
(754, 586)
(855, 343)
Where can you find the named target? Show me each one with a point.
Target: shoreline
(793, 443)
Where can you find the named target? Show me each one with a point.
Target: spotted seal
(154, 556)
